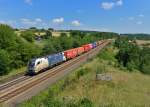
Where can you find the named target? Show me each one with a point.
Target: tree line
(137, 36)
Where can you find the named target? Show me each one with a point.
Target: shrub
(85, 102)
(100, 69)
(28, 35)
(81, 72)
(4, 62)
(107, 54)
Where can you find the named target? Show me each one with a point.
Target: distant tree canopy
(63, 35)
(28, 35)
(137, 36)
(102, 35)
(33, 28)
(130, 55)
(48, 34)
(50, 29)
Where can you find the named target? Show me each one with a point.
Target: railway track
(39, 79)
(13, 82)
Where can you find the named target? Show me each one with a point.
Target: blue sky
(122, 16)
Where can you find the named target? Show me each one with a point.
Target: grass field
(81, 89)
(143, 42)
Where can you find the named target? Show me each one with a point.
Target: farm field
(81, 89)
(143, 42)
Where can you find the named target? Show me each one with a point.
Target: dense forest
(16, 50)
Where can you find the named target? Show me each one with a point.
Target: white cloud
(8, 22)
(110, 5)
(76, 23)
(107, 5)
(139, 22)
(38, 20)
(58, 20)
(29, 22)
(121, 19)
(119, 3)
(2, 22)
(141, 15)
(131, 18)
(28, 2)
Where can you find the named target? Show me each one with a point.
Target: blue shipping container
(94, 45)
(55, 59)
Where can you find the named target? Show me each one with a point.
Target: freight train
(38, 65)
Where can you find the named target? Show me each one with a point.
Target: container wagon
(70, 54)
(87, 47)
(94, 45)
(56, 59)
(80, 50)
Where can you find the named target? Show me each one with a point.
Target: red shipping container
(70, 54)
(87, 47)
(80, 50)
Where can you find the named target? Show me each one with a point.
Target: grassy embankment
(12, 73)
(80, 89)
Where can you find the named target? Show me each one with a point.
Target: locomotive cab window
(38, 63)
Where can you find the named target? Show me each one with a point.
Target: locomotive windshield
(32, 63)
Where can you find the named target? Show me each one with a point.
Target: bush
(7, 37)
(85, 102)
(4, 62)
(100, 69)
(48, 34)
(107, 54)
(81, 72)
(28, 35)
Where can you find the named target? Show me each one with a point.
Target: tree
(63, 35)
(128, 54)
(7, 37)
(4, 62)
(66, 42)
(28, 35)
(145, 60)
(33, 28)
(48, 34)
(50, 29)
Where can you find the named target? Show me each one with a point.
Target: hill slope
(81, 89)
